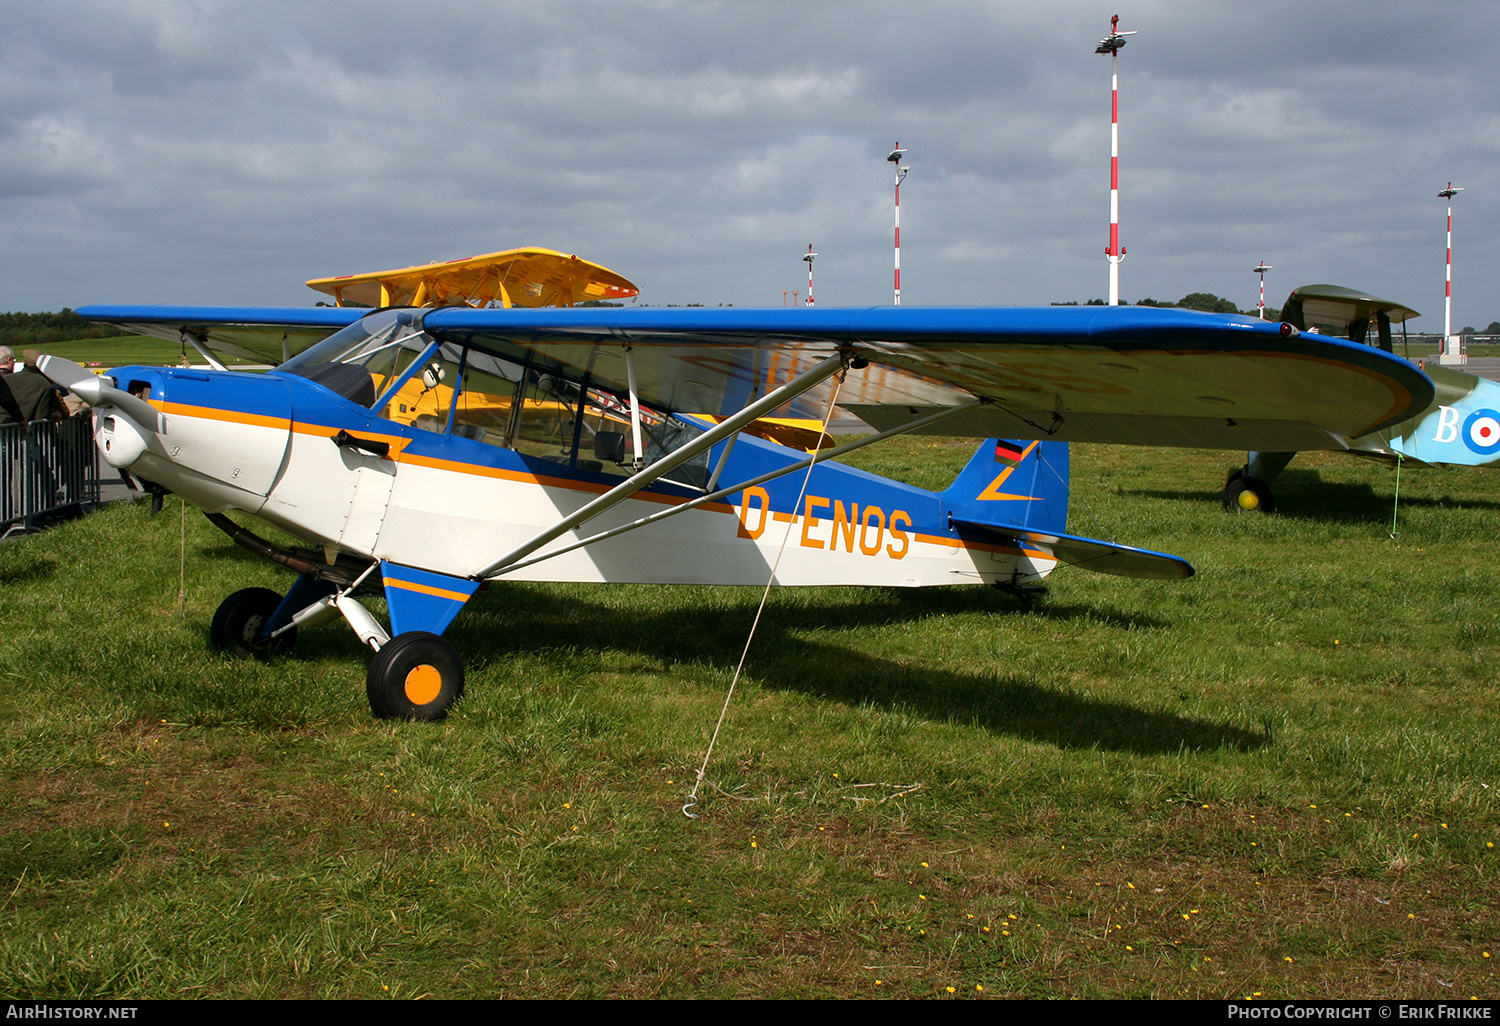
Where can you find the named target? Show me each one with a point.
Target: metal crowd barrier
(48, 471)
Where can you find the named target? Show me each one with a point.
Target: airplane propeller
(96, 390)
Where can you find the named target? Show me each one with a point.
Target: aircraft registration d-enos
(420, 451)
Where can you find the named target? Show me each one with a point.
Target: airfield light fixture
(1261, 270)
(895, 157)
(809, 259)
(1111, 44)
(1448, 195)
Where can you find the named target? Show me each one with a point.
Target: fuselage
(302, 457)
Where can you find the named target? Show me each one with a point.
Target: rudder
(1018, 483)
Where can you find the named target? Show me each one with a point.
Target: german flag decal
(1008, 452)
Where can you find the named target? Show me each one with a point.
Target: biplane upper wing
(1134, 375)
(512, 277)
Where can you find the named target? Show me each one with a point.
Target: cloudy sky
(223, 152)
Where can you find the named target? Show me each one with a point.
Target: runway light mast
(1261, 270)
(896, 156)
(1111, 45)
(809, 259)
(1447, 351)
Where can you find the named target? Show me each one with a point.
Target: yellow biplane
(512, 277)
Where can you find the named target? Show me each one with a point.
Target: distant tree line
(28, 329)
(1206, 301)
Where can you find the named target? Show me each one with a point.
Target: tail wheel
(1245, 494)
(239, 621)
(414, 676)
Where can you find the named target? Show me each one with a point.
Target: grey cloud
(225, 151)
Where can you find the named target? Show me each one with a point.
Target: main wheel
(1245, 494)
(414, 676)
(237, 625)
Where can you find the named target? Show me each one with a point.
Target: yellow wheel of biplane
(1243, 494)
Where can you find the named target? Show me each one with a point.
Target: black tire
(238, 622)
(415, 676)
(1244, 494)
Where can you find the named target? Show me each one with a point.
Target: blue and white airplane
(419, 453)
(1459, 427)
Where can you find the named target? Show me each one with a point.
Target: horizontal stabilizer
(1091, 554)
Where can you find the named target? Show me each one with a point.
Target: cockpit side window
(385, 361)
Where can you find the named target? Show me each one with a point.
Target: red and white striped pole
(809, 259)
(1111, 45)
(1261, 270)
(1448, 195)
(895, 158)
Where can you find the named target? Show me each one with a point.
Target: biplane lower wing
(1131, 375)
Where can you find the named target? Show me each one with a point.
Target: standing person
(10, 441)
(10, 410)
(32, 395)
(28, 481)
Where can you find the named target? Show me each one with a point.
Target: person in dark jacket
(10, 410)
(27, 395)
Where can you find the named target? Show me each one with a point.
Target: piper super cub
(419, 452)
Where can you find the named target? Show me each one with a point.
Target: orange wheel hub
(423, 684)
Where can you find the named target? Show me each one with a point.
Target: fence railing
(46, 469)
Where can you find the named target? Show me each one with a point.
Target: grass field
(1278, 778)
(124, 350)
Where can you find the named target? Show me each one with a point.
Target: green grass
(1276, 778)
(125, 350)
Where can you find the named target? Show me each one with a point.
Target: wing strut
(786, 393)
(192, 339)
(635, 411)
(791, 468)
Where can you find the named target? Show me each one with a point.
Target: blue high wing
(267, 334)
(1135, 375)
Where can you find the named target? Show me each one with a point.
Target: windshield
(363, 340)
(385, 361)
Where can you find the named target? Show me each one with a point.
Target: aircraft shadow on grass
(34, 569)
(1305, 495)
(781, 660)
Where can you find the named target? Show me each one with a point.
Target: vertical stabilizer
(1021, 484)
(1018, 491)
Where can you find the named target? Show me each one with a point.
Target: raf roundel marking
(1482, 432)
